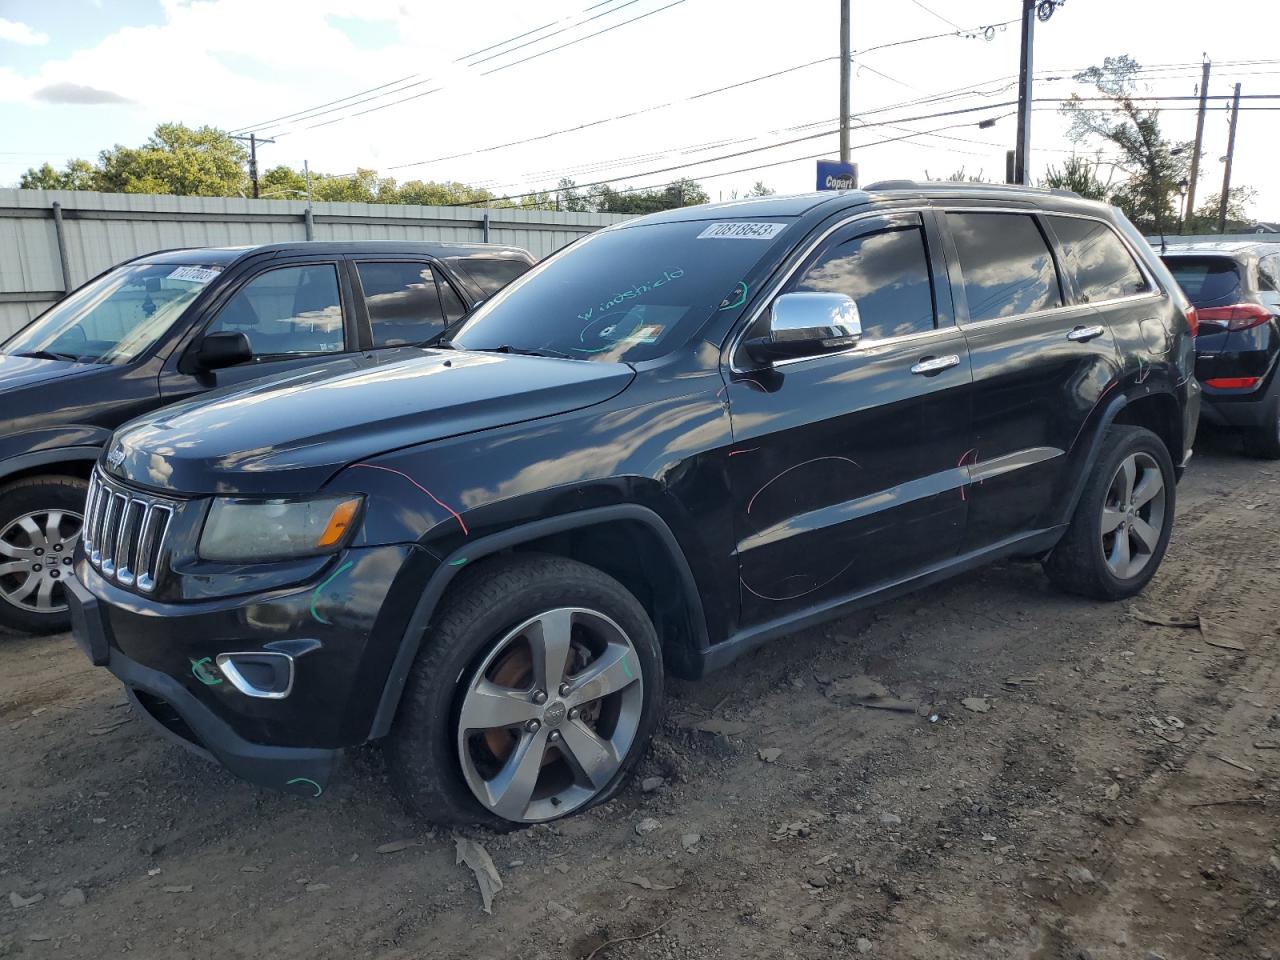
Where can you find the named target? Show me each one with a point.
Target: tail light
(1238, 316)
(1232, 383)
(1193, 320)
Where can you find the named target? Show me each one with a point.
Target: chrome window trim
(738, 338)
(1154, 292)
(1153, 287)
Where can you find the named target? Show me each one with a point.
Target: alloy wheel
(1133, 515)
(549, 716)
(35, 559)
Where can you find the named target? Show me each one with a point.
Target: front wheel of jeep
(533, 697)
(1120, 530)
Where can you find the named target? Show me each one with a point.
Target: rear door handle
(1081, 334)
(927, 366)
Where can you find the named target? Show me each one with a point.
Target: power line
(936, 14)
(543, 53)
(503, 53)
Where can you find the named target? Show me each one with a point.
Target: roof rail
(966, 185)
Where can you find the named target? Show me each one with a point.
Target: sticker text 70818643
(742, 230)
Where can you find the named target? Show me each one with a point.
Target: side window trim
(1068, 279)
(248, 275)
(357, 285)
(884, 221)
(731, 353)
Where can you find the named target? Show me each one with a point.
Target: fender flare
(470, 552)
(1108, 416)
(40, 458)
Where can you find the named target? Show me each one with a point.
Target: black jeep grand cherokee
(678, 439)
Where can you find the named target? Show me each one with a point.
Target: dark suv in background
(1235, 287)
(171, 325)
(678, 439)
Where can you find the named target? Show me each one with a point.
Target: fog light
(267, 676)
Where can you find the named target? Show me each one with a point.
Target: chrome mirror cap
(814, 317)
(807, 325)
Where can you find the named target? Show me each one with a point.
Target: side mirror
(807, 325)
(223, 349)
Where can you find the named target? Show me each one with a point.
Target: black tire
(23, 498)
(1078, 563)
(482, 607)
(1264, 442)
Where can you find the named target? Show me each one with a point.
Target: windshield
(623, 295)
(1207, 281)
(115, 318)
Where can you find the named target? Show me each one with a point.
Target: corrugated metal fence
(43, 232)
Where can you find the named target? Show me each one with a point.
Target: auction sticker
(193, 274)
(743, 230)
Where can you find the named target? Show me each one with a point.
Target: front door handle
(1081, 334)
(928, 366)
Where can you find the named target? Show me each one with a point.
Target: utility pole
(1189, 212)
(1022, 149)
(253, 141)
(1231, 150)
(845, 66)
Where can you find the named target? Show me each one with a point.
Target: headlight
(238, 531)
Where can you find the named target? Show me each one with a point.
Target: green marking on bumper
(315, 596)
(319, 789)
(203, 673)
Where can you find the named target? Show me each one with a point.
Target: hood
(289, 435)
(23, 371)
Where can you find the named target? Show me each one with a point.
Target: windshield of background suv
(115, 318)
(1207, 281)
(624, 295)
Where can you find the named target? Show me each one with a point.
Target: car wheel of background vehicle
(1121, 527)
(1264, 442)
(40, 519)
(533, 697)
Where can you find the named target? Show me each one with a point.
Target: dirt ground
(1075, 783)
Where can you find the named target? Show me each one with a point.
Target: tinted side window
(1269, 272)
(1006, 264)
(490, 275)
(404, 306)
(287, 310)
(454, 308)
(1102, 267)
(887, 275)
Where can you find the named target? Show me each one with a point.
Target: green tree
(1153, 164)
(1080, 175)
(1205, 218)
(76, 175)
(760, 189)
(178, 160)
(958, 176)
(432, 193)
(282, 183)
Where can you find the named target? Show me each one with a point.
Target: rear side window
(887, 275)
(1269, 273)
(404, 305)
(1207, 281)
(1006, 264)
(1100, 265)
(287, 310)
(490, 275)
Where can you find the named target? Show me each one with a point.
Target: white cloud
(16, 32)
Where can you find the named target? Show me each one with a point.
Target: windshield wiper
(49, 355)
(524, 351)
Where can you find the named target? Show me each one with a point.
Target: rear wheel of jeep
(533, 697)
(1120, 530)
(40, 519)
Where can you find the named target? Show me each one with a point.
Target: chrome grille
(124, 533)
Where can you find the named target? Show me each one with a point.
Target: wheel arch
(631, 543)
(1159, 412)
(74, 461)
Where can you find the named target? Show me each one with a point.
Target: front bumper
(347, 625)
(181, 717)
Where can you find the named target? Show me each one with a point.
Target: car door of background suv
(296, 313)
(843, 471)
(1038, 365)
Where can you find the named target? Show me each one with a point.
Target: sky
(421, 90)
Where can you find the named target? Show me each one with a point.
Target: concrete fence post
(60, 235)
